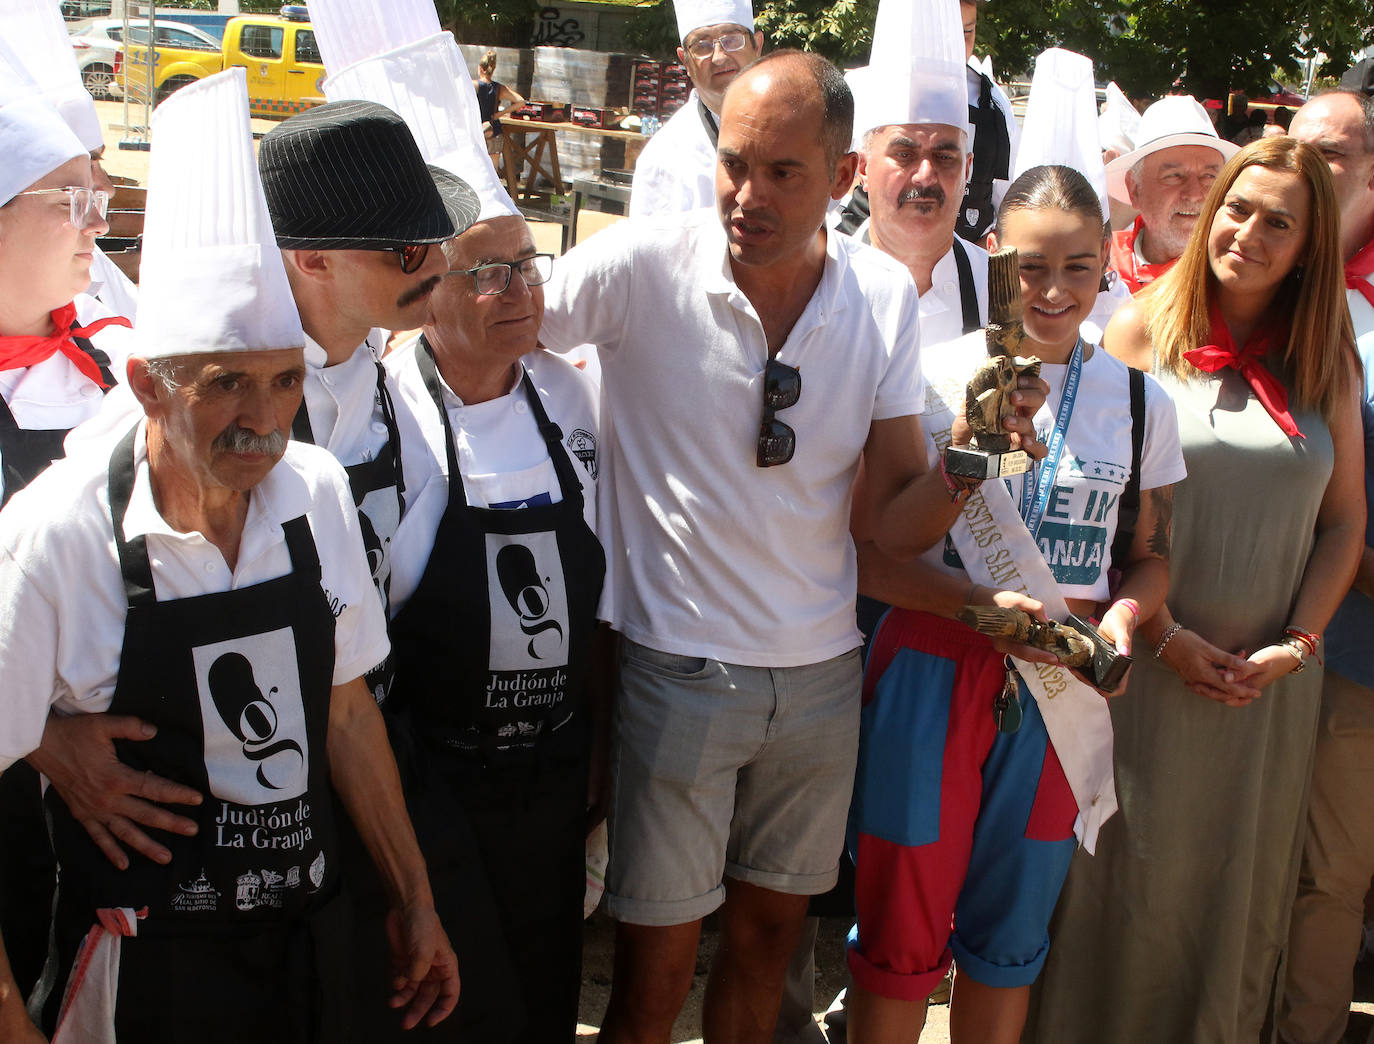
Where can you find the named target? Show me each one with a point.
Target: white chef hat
(917, 70)
(212, 278)
(693, 14)
(1061, 120)
(1119, 122)
(34, 139)
(349, 31)
(426, 81)
(47, 54)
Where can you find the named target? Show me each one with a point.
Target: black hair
(1052, 188)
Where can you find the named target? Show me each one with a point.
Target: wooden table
(535, 142)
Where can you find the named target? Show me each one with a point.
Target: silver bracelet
(1166, 639)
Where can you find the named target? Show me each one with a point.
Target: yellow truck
(278, 52)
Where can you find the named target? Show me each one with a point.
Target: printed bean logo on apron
(256, 750)
(530, 641)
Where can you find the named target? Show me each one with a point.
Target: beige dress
(1174, 932)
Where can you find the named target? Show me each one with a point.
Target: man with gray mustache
(356, 211)
(1166, 178)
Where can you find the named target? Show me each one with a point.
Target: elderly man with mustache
(1165, 178)
(201, 574)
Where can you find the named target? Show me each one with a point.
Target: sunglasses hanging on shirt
(781, 390)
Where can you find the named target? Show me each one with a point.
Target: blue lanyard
(1033, 511)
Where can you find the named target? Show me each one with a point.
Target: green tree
(1148, 46)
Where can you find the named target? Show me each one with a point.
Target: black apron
(378, 487)
(709, 121)
(854, 212)
(243, 920)
(991, 162)
(968, 292)
(27, 870)
(492, 656)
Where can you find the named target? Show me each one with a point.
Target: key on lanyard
(1006, 708)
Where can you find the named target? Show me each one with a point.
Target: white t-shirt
(709, 554)
(676, 172)
(499, 448)
(62, 601)
(1362, 318)
(1081, 511)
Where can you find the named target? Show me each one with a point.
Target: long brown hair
(1318, 363)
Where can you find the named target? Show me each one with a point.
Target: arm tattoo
(1162, 505)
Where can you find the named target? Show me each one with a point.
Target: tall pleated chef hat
(47, 54)
(34, 139)
(212, 278)
(423, 78)
(1060, 127)
(694, 14)
(1119, 122)
(917, 71)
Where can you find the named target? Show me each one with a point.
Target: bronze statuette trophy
(988, 396)
(1076, 642)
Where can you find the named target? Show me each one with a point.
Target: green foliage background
(1147, 46)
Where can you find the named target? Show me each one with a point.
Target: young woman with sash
(984, 839)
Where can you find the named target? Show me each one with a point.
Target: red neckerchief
(1250, 362)
(1357, 270)
(18, 352)
(1134, 272)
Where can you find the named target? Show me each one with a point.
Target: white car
(100, 49)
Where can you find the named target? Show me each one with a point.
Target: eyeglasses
(412, 256)
(706, 46)
(781, 389)
(88, 205)
(492, 279)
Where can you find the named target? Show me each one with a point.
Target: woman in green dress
(1175, 931)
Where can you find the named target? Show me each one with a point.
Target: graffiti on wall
(551, 29)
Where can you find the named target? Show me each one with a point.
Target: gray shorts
(721, 770)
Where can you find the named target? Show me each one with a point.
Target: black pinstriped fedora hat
(348, 175)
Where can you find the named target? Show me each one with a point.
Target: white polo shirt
(676, 172)
(708, 554)
(500, 453)
(62, 601)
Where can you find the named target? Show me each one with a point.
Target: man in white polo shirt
(729, 553)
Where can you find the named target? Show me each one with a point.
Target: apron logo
(518, 576)
(971, 216)
(197, 897)
(267, 889)
(582, 445)
(379, 514)
(256, 750)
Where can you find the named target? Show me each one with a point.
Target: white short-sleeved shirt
(1094, 467)
(709, 554)
(62, 601)
(676, 172)
(503, 458)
